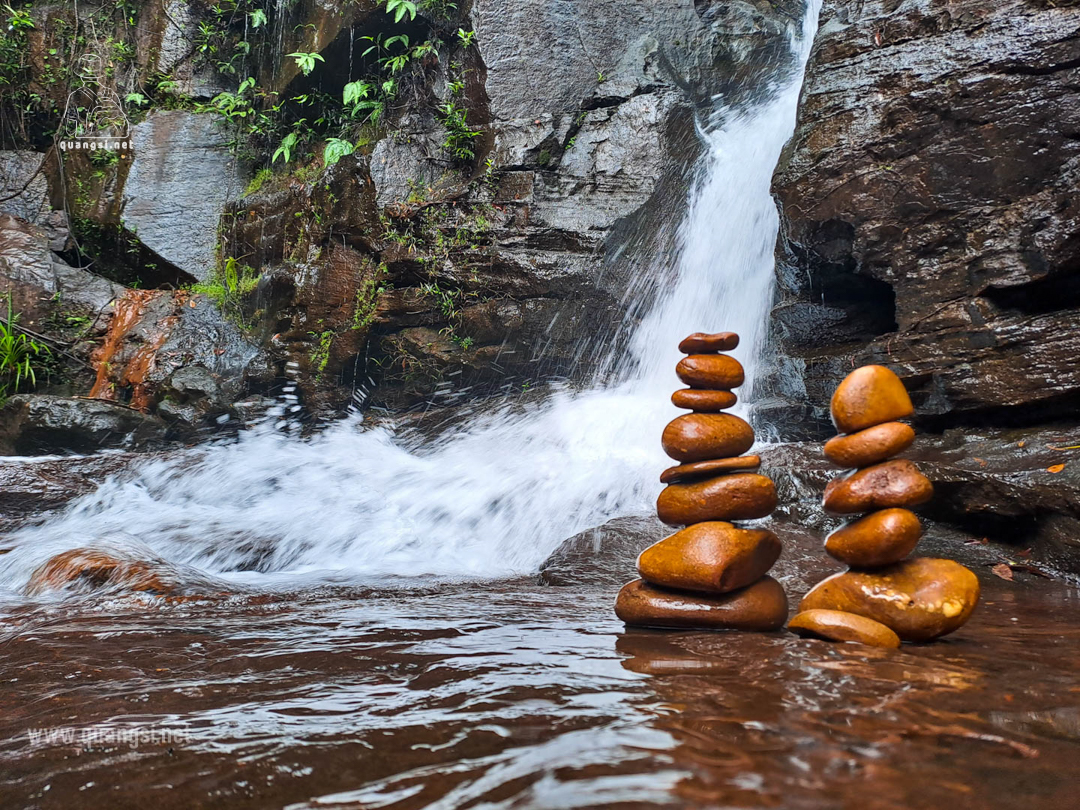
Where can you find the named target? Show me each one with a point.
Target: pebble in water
(711, 574)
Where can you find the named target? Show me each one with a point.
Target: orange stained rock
(760, 606)
(713, 556)
(95, 569)
(701, 436)
(836, 625)
(707, 469)
(878, 539)
(869, 396)
(739, 496)
(921, 599)
(704, 343)
(702, 400)
(892, 483)
(870, 446)
(127, 310)
(712, 371)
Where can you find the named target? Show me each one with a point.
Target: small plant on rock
(20, 356)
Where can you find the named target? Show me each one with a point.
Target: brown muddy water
(515, 695)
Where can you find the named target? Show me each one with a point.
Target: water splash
(494, 497)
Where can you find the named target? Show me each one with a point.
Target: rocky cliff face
(478, 238)
(930, 220)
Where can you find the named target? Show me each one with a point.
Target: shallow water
(508, 694)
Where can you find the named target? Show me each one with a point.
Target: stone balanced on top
(712, 574)
(884, 597)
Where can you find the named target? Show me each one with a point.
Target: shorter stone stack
(712, 574)
(884, 597)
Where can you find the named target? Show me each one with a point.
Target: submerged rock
(714, 557)
(836, 625)
(920, 599)
(761, 606)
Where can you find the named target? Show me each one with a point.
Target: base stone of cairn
(713, 573)
(885, 596)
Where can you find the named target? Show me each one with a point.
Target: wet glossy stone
(707, 469)
(87, 569)
(869, 396)
(739, 496)
(712, 371)
(714, 556)
(878, 539)
(702, 436)
(870, 446)
(920, 599)
(836, 625)
(892, 483)
(702, 400)
(760, 606)
(704, 343)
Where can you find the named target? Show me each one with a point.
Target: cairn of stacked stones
(884, 597)
(711, 574)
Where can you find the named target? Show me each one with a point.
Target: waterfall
(493, 497)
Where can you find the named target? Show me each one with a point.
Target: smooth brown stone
(704, 343)
(713, 371)
(708, 469)
(880, 538)
(877, 443)
(836, 625)
(702, 400)
(87, 568)
(869, 396)
(714, 557)
(761, 606)
(739, 496)
(892, 483)
(703, 436)
(920, 599)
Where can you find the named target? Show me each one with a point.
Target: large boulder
(929, 211)
(41, 424)
(180, 180)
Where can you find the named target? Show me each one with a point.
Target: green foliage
(20, 356)
(257, 182)
(257, 18)
(336, 149)
(460, 138)
(228, 286)
(399, 8)
(306, 61)
(320, 354)
(284, 150)
(367, 298)
(436, 9)
(465, 38)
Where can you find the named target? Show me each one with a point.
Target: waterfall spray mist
(496, 496)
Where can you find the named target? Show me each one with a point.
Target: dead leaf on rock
(1055, 468)
(1004, 571)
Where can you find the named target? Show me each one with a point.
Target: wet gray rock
(929, 212)
(179, 182)
(603, 555)
(24, 193)
(32, 485)
(42, 424)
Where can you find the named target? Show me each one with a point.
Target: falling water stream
(372, 634)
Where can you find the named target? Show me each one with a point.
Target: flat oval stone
(879, 538)
(739, 496)
(702, 400)
(920, 599)
(713, 371)
(836, 625)
(701, 436)
(877, 443)
(708, 469)
(714, 557)
(760, 606)
(704, 343)
(892, 483)
(869, 396)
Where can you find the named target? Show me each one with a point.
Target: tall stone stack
(884, 597)
(711, 574)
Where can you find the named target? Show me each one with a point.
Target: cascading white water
(489, 499)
